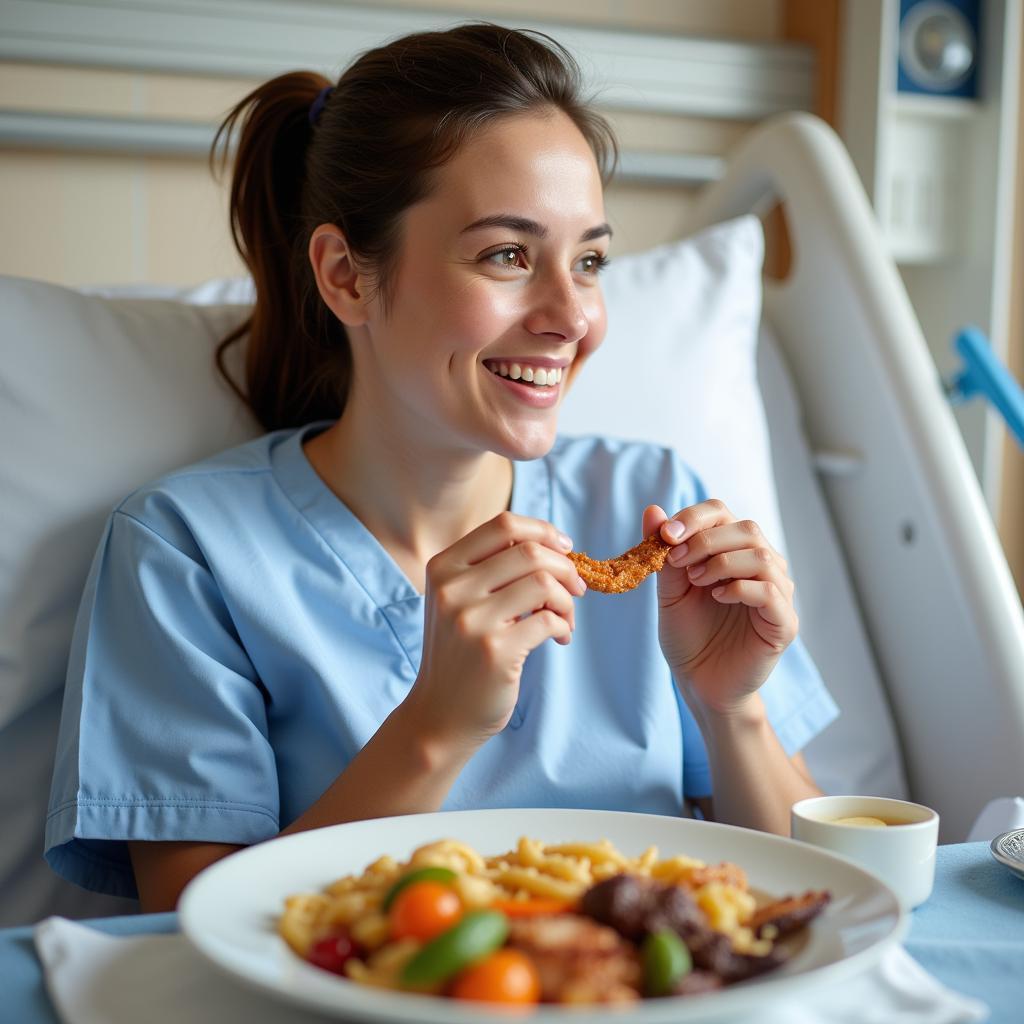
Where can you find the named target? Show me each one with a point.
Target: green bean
(478, 934)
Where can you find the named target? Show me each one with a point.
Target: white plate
(229, 910)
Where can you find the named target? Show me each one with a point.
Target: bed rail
(935, 591)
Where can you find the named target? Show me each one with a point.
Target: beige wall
(100, 219)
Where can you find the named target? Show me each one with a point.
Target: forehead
(537, 164)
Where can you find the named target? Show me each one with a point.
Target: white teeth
(538, 376)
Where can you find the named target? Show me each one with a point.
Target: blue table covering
(970, 935)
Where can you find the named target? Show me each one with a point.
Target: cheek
(597, 320)
(474, 316)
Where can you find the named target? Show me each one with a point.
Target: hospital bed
(905, 598)
(937, 602)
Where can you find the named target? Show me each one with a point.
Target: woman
(348, 617)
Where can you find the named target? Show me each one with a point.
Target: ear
(339, 281)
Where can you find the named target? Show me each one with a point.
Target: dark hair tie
(319, 103)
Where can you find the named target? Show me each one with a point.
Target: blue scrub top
(242, 635)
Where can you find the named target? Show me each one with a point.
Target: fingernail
(581, 585)
(718, 592)
(674, 529)
(565, 542)
(695, 571)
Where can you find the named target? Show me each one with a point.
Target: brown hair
(395, 115)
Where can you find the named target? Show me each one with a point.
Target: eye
(510, 256)
(592, 264)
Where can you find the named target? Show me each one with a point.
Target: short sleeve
(797, 705)
(164, 726)
(796, 700)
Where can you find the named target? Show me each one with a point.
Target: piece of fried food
(629, 570)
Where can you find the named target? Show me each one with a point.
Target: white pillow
(683, 365)
(679, 365)
(97, 396)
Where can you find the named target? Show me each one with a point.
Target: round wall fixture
(937, 46)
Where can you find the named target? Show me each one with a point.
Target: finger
(712, 540)
(775, 620)
(532, 631)
(503, 531)
(530, 594)
(508, 565)
(749, 564)
(696, 519)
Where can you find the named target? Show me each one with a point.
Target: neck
(414, 500)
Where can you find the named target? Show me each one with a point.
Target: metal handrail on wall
(159, 137)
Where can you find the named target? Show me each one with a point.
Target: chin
(528, 445)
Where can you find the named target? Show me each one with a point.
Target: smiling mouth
(524, 373)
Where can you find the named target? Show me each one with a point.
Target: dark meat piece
(578, 960)
(713, 952)
(697, 983)
(790, 914)
(636, 907)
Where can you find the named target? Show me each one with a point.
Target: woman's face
(495, 300)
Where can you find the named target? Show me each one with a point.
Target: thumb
(654, 516)
(673, 583)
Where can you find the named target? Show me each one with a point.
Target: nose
(555, 309)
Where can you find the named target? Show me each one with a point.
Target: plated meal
(231, 913)
(576, 923)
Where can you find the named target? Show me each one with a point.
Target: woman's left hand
(725, 604)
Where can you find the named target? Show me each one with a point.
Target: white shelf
(939, 171)
(933, 107)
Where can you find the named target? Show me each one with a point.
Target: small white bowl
(901, 852)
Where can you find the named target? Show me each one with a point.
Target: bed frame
(936, 596)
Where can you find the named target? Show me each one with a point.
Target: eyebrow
(531, 227)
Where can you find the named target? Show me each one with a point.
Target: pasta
(547, 893)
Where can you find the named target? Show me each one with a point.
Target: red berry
(333, 952)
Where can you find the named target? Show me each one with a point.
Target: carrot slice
(532, 908)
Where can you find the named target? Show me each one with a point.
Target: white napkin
(94, 978)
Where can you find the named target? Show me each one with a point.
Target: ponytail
(297, 357)
(358, 157)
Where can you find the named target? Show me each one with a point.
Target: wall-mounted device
(938, 47)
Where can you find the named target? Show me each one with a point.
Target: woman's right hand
(491, 598)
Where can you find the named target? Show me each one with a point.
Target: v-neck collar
(366, 558)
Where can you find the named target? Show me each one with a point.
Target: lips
(537, 393)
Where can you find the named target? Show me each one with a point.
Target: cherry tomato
(507, 976)
(431, 873)
(332, 952)
(423, 910)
